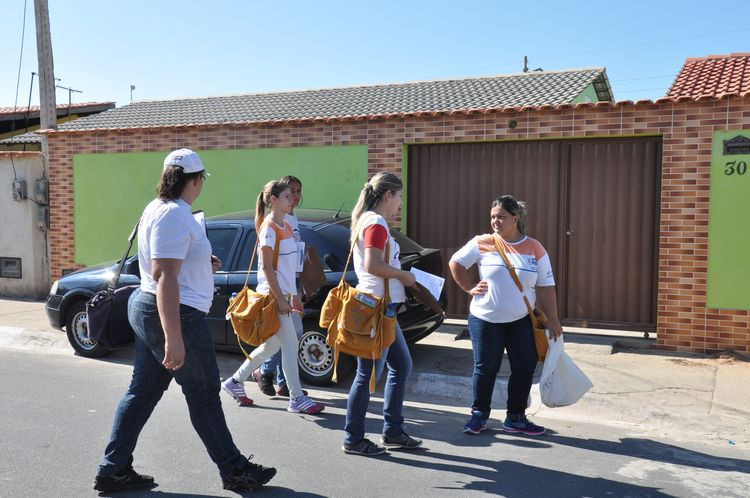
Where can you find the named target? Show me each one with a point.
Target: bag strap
(112, 285)
(255, 248)
(512, 270)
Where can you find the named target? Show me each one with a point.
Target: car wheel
(77, 329)
(315, 359)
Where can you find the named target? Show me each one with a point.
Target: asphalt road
(56, 413)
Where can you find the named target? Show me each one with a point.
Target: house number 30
(732, 167)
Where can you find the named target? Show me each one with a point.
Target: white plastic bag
(562, 383)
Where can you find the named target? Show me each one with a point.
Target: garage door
(593, 204)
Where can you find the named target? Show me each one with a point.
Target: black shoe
(250, 477)
(125, 479)
(363, 448)
(265, 382)
(403, 441)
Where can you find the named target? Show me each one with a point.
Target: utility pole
(47, 104)
(47, 114)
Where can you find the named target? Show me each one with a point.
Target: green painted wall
(587, 95)
(728, 229)
(110, 190)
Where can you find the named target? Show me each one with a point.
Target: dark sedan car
(232, 238)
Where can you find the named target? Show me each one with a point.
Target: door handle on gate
(569, 232)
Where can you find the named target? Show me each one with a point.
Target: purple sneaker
(305, 405)
(237, 391)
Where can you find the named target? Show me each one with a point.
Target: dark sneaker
(237, 391)
(403, 441)
(250, 477)
(522, 426)
(283, 391)
(265, 382)
(476, 424)
(364, 448)
(125, 479)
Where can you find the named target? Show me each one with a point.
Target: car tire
(315, 358)
(76, 327)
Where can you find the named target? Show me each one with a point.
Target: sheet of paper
(431, 282)
(300, 256)
(200, 217)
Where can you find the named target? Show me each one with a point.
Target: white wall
(22, 233)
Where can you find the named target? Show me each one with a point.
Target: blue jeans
(273, 364)
(198, 377)
(398, 360)
(488, 341)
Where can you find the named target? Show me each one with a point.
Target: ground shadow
(509, 478)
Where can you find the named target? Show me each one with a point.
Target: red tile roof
(713, 76)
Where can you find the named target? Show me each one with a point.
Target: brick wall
(684, 322)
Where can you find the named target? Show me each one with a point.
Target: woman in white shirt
(498, 319)
(264, 375)
(276, 197)
(379, 199)
(172, 340)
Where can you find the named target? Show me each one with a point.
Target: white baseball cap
(189, 161)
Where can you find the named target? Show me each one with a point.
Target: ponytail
(370, 196)
(273, 188)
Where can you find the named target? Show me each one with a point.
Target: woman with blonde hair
(276, 197)
(380, 198)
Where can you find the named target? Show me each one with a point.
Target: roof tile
(713, 76)
(463, 95)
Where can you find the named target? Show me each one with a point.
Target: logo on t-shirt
(532, 263)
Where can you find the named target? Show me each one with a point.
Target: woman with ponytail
(380, 199)
(276, 200)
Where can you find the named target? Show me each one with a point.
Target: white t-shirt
(287, 265)
(367, 281)
(503, 302)
(167, 230)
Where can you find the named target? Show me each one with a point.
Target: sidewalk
(674, 395)
(682, 397)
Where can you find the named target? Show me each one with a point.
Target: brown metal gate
(593, 204)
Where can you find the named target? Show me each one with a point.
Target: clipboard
(425, 297)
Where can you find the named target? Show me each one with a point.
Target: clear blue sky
(172, 49)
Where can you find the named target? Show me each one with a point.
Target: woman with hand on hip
(499, 319)
(276, 197)
(379, 199)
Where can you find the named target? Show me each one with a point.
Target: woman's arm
(270, 272)
(464, 280)
(547, 299)
(375, 265)
(164, 272)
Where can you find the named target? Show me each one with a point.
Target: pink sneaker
(237, 391)
(305, 405)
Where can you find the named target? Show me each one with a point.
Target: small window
(10, 267)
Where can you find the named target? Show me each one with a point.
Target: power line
(18, 83)
(641, 45)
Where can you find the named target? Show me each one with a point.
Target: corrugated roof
(8, 113)
(713, 76)
(460, 95)
(26, 138)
